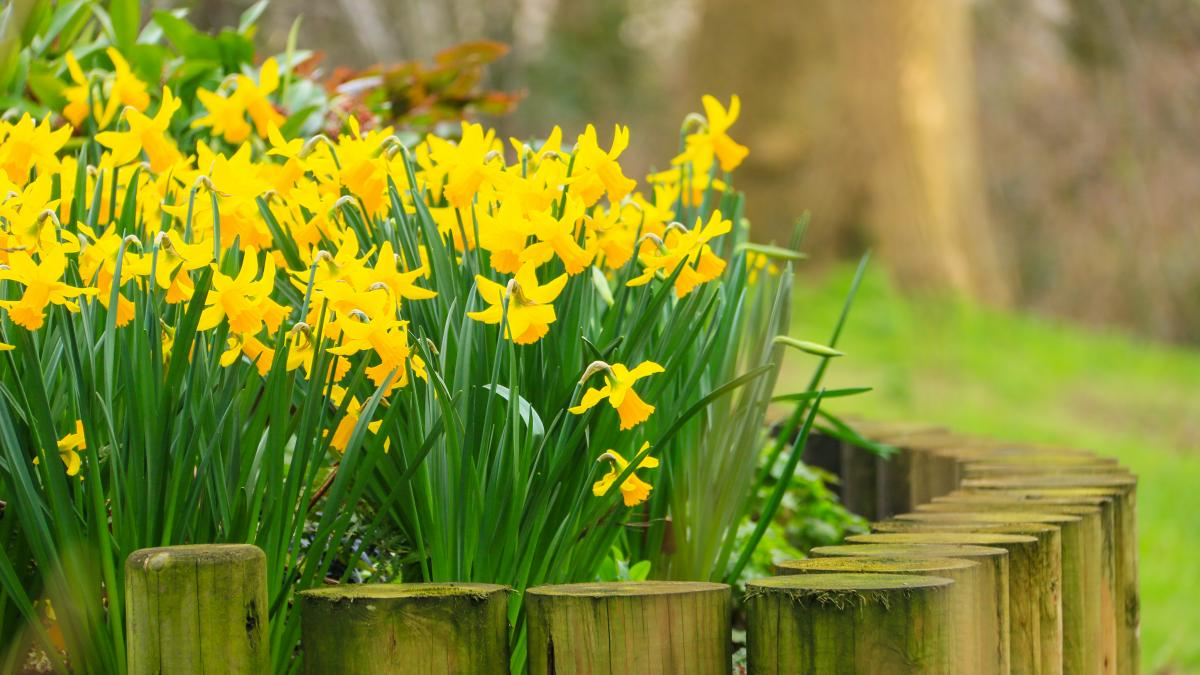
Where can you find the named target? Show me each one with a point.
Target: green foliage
(1021, 377)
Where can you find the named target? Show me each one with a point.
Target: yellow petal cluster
(278, 226)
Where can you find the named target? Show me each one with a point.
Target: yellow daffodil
(530, 311)
(687, 251)
(345, 427)
(226, 116)
(28, 145)
(145, 135)
(255, 97)
(238, 344)
(634, 490)
(596, 172)
(245, 300)
(557, 237)
(713, 139)
(402, 284)
(43, 286)
(69, 449)
(468, 166)
(618, 390)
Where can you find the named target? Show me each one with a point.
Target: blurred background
(1027, 173)
(1033, 153)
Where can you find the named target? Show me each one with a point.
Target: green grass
(1021, 377)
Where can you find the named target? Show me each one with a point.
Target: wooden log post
(197, 609)
(863, 473)
(994, 574)
(1031, 649)
(1081, 615)
(974, 651)
(1100, 511)
(867, 624)
(418, 628)
(860, 481)
(1124, 490)
(825, 453)
(629, 627)
(922, 469)
(1095, 589)
(1049, 553)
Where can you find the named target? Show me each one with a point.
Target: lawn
(1028, 378)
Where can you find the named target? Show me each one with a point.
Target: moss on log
(849, 623)
(629, 627)
(974, 651)
(405, 628)
(197, 609)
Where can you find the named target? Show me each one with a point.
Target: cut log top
(352, 592)
(997, 497)
(851, 564)
(153, 559)
(1054, 480)
(628, 588)
(969, 538)
(800, 585)
(992, 517)
(909, 551)
(1001, 505)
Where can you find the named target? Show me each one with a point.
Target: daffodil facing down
(634, 490)
(524, 304)
(618, 391)
(69, 449)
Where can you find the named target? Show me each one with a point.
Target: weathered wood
(865, 478)
(825, 453)
(860, 480)
(197, 609)
(868, 624)
(994, 574)
(629, 627)
(992, 469)
(1100, 511)
(1124, 490)
(974, 650)
(1049, 552)
(1031, 650)
(1081, 614)
(405, 628)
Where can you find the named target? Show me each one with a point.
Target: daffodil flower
(557, 237)
(145, 134)
(69, 448)
(597, 172)
(530, 311)
(618, 390)
(634, 490)
(43, 286)
(690, 250)
(226, 116)
(713, 140)
(245, 300)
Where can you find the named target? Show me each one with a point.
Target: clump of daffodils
(303, 246)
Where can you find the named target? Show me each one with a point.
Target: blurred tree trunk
(862, 111)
